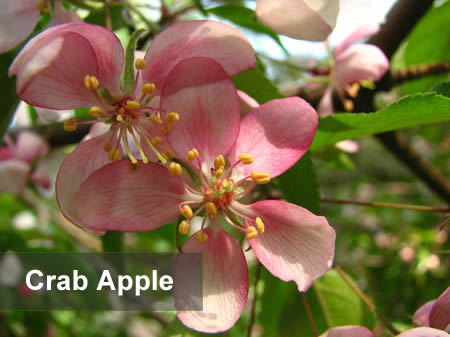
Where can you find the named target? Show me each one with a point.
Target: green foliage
(128, 78)
(255, 84)
(8, 98)
(414, 110)
(443, 89)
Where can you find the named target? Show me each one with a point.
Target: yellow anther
(201, 236)
(348, 105)
(95, 111)
(94, 82)
(133, 168)
(259, 225)
(211, 208)
(184, 227)
(114, 154)
(148, 88)
(219, 162)
(40, 6)
(219, 172)
(107, 147)
(165, 128)
(168, 154)
(246, 158)
(251, 233)
(140, 64)
(70, 124)
(87, 82)
(155, 119)
(156, 141)
(187, 212)
(192, 154)
(174, 169)
(172, 117)
(260, 177)
(353, 90)
(133, 104)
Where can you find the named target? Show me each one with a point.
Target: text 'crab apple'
(220, 159)
(80, 65)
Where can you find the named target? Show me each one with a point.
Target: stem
(406, 74)
(387, 205)
(322, 305)
(310, 315)
(255, 298)
(107, 15)
(366, 300)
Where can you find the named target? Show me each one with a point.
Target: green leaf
(177, 329)
(128, 80)
(414, 110)
(245, 17)
(443, 89)
(299, 184)
(112, 242)
(255, 84)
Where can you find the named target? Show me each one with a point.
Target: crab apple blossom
(423, 332)
(80, 65)
(19, 17)
(436, 313)
(221, 157)
(348, 331)
(311, 20)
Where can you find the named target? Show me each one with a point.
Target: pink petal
(349, 146)
(13, 176)
(422, 315)
(423, 332)
(62, 15)
(301, 19)
(348, 331)
(359, 34)
(225, 283)
(326, 107)
(296, 245)
(88, 157)
(440, 313)
(17, 21)
(30, 146)
(360, 62)
(51, 68)
(41, 179)
(218, 41)
(206, 100)
(112, 198)
(246, 102)
(276, 134)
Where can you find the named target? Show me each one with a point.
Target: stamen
(246, 158)
(184, 227)
(172, 117)
(201, 236)
(40, 6)
(259, 225)
(87, 82)
(107, 147)
(156, 141)
(251, 233)
(120, 119)
(219, 162)
(114, 154)
(148, 88)
(168, 153)
(139, 147)
(219, 172)
(187, 212)
(348, 105)
(125, 145)
(91, 82)
(192, 154)
(133, 168)
(95, 111)
(353, 90)
(174, 169)
(140, 64)
(133, 104)
(155, 119)
(70, 124)
(260, 177)
(211, 208)
(165, 128)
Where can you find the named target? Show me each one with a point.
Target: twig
(406, 74)
(107, 15)
(387, 205)
(310, 315)
(366, 300)
(255, 298)
(321, 301)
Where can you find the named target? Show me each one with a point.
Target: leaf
(128, 79)
(414, 110)
(255, 84)
(177, 329)
(299, 184)
(245, 17)
(443, 89)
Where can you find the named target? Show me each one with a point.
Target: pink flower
(436, 313)
(227, 156)
(423, 332)
(19, 17)
(16, 163)
(348, 331)
(353, 65)
(79, 65)
(311, 20)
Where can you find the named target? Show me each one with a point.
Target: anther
(251, 233)
(114, 154)
(201, 236)
(133, 168)
(187, 212)
(87, 82)
(246, 158)
(184, 227)
(168, 154)
(94, 82)
(211, 208)
(148, 88)
(218, 172)
(192, 155)
(156, 141)
(107, 147)
(40, 6)
(70, 124)
(174, 169)
(259, 225)
(172, 117)
(260, 177)
(133, 104)
(219, 162)
(353, 90)
(95, 111)
(140, 64)
(165, 128)
(155, 119)
(348, 105)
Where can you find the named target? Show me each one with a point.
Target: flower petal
(225, 283)
(62, 15)
(218, 41)
(75, 169)
(51, 68)
(112, 198)
(440, 313)
(311, 20)
(422, 315)
(246, 103)
(276, 134)
(30, 146)
(13, 175)
(348, 331)
(358, 63)
(326, 107)
(423, 332)
(200, 91)
(296, 245)
(360, 33)
(17, 21)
